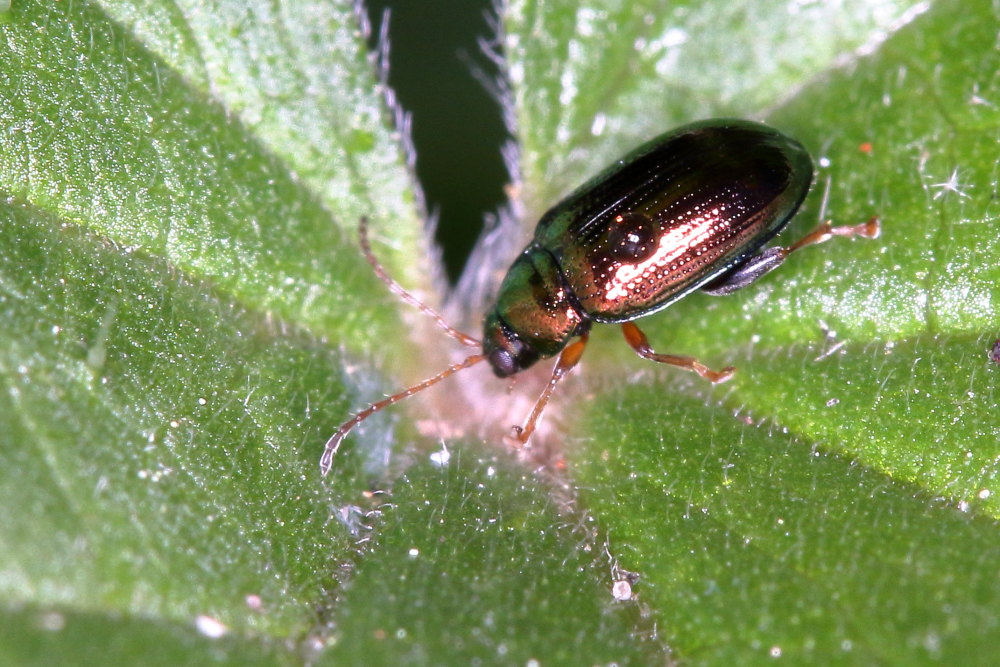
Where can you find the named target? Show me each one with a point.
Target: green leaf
(179, 160)
(168, 263)
(156, 441)
(185, 317)
(751, 544)
(30, 636)
(475, 564)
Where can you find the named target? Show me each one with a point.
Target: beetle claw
(718, 377)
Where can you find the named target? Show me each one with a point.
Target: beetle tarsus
(869, 229)
(716, 377)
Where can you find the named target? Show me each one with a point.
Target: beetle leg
(568, 358)
(771, 258)
(640, 344)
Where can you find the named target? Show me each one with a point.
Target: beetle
(689, 210)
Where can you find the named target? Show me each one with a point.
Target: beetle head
(533, 317)
(507, 352)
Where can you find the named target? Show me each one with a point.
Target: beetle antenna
(398, 290)
(333, 444)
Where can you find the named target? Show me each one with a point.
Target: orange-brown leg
(637, 340)
(568, 358)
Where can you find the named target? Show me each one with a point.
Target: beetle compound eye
(503, 363)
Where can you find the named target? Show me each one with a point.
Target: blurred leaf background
(185, 318)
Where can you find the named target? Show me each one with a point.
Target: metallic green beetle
(691, 209)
